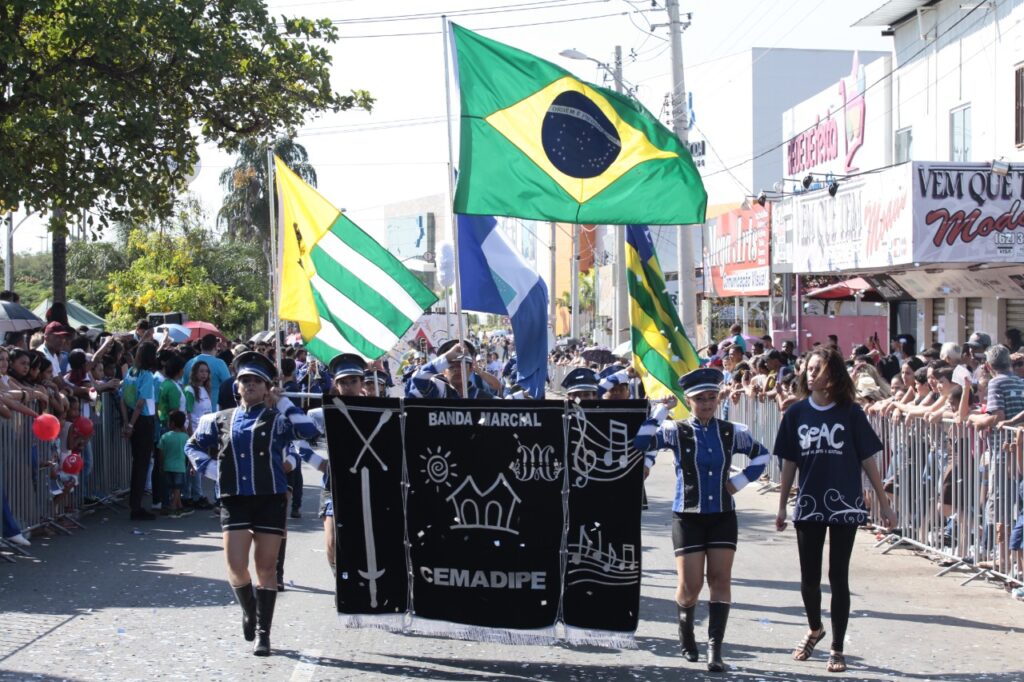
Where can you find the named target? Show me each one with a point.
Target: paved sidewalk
(123, 601)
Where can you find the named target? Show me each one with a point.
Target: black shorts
(701, 532)
(258, 513)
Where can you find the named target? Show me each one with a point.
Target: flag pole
(276, 248)
(451, 196)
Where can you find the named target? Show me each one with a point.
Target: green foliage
(32, 278)
(89, 263)
(165, 274)
(107, 100)
(179, 265)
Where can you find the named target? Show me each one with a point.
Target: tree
(164, 275)
(245, 214)
(103, 103)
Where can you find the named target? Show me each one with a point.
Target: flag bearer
(442, 378)
(244, 449)
(704, 528)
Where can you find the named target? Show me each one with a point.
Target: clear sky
(394, 50)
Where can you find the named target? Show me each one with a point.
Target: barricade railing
(556, 373)
(957, 490)
(39, 494)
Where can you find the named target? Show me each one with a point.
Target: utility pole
(552, 292)
(574, 328)
(620, 316)
(686, 303)
(9, 252)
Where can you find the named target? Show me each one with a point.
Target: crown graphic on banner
(491, 509)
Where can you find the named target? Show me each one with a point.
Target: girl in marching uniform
(704, 527)
(244, 449)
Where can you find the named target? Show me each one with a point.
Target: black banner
(365, 444)
(488, 487)
(606, 475)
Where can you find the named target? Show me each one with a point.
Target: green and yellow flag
(346, 291)
(661, 350)
(538, 143)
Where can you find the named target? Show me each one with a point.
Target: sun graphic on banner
(438, 468)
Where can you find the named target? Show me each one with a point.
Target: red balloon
(46, 427)
(82, 426)
(72, 464)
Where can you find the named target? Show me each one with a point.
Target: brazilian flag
(538, 143)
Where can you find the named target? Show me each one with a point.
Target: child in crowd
(171, 449)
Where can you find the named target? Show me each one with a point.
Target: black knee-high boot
(265, 600)
(686, 639)
(718, 616)
(247, 600)
(280, 565)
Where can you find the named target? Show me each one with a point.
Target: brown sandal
(804, 650)
(836, 662)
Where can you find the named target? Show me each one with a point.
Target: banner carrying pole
(445, 32)
(277, 246)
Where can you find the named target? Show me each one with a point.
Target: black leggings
(810, 540)
(142, 454)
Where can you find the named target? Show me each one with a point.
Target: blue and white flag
(496, 279)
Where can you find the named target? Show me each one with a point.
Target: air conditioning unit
(157, 319)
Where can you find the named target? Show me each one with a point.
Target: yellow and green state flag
(347, 292)
(661, 350)
(538, 143)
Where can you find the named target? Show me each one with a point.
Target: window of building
(960, 133)
(904, 144)
(1018, 107)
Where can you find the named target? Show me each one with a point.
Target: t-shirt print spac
(828, 445)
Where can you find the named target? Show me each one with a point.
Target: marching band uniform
(704, 513)
(429, 381)
(244, 451)
(344, 365)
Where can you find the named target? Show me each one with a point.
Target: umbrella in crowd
(201, 329)
(15, 317)
(177, 332)
(602, 355)
(623, 349)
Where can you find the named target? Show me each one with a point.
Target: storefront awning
(846, 290)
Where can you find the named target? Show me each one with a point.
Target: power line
(488, 28)
(772, 148)
(495, 9)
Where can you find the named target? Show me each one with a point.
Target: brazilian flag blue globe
(538, 143)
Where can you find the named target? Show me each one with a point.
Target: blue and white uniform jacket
(307, 454)
(703, 459)
(244, 450)
(428, 382)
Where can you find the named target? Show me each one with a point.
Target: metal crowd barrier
(556, 373)
(957, 490)
(30, 473)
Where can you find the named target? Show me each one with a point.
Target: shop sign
(736, 255)
(923, 283)
(867, 224)
(832, 132)
(965, 213)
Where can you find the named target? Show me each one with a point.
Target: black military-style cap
(347, 365)
(254, 364)
(580, 379)
(700, 380)
(468, 349)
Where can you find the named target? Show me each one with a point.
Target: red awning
(847, 289)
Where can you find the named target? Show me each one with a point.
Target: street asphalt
(124, 600)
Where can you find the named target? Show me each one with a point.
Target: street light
(573, 53)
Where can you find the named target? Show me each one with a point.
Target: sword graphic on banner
(371, 573)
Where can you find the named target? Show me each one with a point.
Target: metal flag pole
(277, 246)
(445, 29)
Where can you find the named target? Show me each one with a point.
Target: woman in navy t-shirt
(827, 438)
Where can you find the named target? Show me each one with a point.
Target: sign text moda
(451, 517)
(967, 213)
